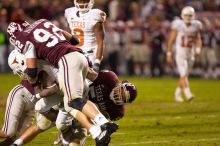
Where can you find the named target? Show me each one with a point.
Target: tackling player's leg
(72, 74)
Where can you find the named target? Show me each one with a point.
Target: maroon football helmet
(14, 27)
(124, 93)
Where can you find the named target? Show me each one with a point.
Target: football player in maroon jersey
(43, 40)
(109, 94)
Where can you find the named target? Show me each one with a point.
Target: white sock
(95, 131)
(100, 119)
(178, 91)
(19, 142)
(187, 92)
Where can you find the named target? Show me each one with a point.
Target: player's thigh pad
(72, 72)
(42, 122)
(182, 66)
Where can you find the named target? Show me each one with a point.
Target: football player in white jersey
(185, 36)
(87, 25)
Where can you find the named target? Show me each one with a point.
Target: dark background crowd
(136, 32)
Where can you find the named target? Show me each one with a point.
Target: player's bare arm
(72, 39)
(198, 43)
(91, 75)
(170, 43)
(100, 34)
(48, 86)
(31, 70)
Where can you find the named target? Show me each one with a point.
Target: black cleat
(105, 136)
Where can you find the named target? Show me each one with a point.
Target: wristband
(38, 96)
(169, 53)
(97, 61)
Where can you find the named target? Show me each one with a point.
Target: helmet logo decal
(15, 61)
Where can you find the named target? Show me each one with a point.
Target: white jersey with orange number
(81, 25)
(186, 35)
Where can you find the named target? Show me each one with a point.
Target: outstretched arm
(72, 39)
(100, 35)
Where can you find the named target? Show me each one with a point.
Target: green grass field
(154, 119)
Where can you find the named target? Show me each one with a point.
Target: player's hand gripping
(96, 65)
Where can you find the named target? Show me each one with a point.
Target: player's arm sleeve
(116, 113)
(66, 15)
(175, 24)
(29, 50)
(99, 16)
(66, 12)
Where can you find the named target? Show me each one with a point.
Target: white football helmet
(188, 14)
(17, 62)
(83, 5)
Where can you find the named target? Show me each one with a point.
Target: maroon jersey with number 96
(47, 40)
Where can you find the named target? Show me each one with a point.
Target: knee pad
(61, 120)
(77, 103)
(43, 123)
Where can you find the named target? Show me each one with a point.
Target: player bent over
(185, 34)
(19, 113)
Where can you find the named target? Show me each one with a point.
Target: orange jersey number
(187, 41)
(80, 35)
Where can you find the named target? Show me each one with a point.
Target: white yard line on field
(169, 141)
(181, 117)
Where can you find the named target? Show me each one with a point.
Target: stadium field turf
(154, 119)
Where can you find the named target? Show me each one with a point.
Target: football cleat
(190, 98)
(58, 139)
(178, 98)
(105, 136)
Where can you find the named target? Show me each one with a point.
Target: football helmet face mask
(188, 14)
(17, 62)
(124, 93)
(84, 5)
(14, 27)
